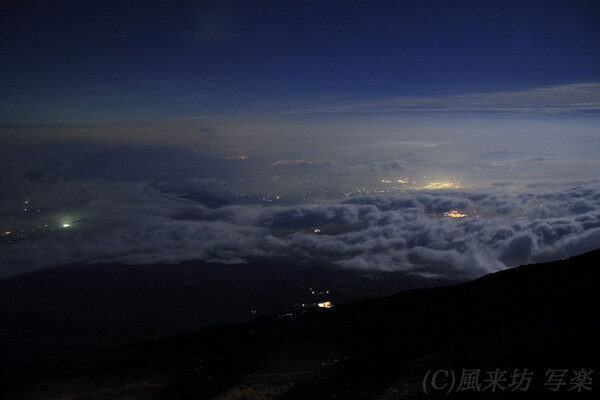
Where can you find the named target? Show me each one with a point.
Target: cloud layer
(139, 223)
(568, 98)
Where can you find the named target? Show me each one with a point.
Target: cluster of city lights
(454, 214)
(29, 226)
(281, 163)
(442, 185)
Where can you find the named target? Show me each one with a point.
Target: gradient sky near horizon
(130, 120)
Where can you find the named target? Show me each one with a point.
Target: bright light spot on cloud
(66, 225)
(454, 214)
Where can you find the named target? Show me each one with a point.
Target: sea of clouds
(143, 223)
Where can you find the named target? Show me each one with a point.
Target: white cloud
(380, 232)
(568, 98)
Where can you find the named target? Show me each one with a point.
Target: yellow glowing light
(7, 233)
(454, 214)
(325, 304)
(441, 185)
(280, 163)
(402, 181)
(317, 230)
(66, 225)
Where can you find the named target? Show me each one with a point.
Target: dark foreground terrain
(532, 327)
(62, 318)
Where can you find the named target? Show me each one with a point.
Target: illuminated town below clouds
(261, 183)
(32, 223)
(421, 210)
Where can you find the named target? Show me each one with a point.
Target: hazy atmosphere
(449, 141)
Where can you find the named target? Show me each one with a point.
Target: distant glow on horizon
(442, 185)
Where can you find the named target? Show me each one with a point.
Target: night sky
(69, 61)
(438, 138)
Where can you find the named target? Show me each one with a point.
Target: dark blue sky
(67, 61)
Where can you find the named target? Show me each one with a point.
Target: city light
(454, 214)
(441, 185)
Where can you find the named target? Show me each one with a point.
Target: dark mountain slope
(538, 317)
(57, 318)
